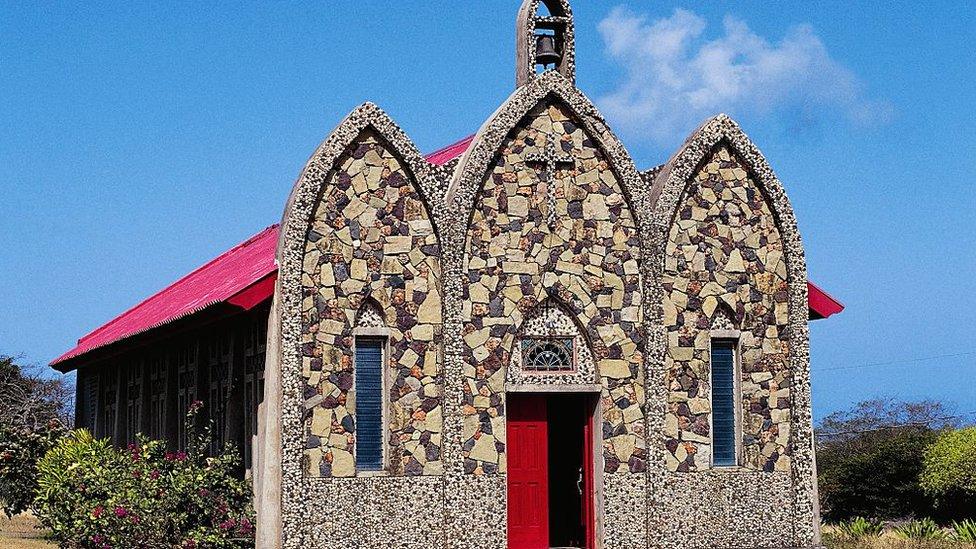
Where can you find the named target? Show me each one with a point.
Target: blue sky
(139, 140)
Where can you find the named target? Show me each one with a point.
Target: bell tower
(544, 40)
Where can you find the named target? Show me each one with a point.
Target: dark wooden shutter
(369, 404)
(723, 402)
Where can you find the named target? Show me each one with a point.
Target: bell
(545, 50)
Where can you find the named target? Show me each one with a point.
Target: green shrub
(860, 527)
(20, 449)
(93, 495)
(964, 531)
(874, 474)
(923, 529)
(950, 466)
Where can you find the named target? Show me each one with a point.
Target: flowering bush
(93, 495)
(20, 448)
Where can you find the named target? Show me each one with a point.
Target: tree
(30, 401)
(869, 458)
(34, 414)
(949, 473)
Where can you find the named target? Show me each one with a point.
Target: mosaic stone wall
(371, 239)
(500, 261)
(724, 268)
(586, 256)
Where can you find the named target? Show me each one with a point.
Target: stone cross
(547, 163)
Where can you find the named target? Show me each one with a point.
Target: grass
(22, 532)
(834, 538)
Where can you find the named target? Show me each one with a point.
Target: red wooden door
(528, 473)
(588, 511)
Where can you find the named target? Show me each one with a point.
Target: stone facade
(371, 239)
(725, 273)
(543, 228)
(587, 261)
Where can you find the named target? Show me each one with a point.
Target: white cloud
(674, 78)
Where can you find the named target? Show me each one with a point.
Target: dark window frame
(370, 355)
(725, 402)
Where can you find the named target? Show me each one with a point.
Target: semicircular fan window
(551, 354)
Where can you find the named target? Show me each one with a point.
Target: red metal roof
(229, 275)
(822, 304)
(245, 275)
(450, 152)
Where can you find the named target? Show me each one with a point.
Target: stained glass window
(554, 354)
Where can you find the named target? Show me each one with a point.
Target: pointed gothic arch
(370, 314)
(719, 136)
(365, 118)
(553, 319)
(552, 87)
(360, 214)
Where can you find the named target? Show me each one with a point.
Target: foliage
(964, 531)
(20, 448)
(860, 527)
(33, 412)
(93, 495)
(884, 413)
(950, 467)
(925, 528)
(29, 400)
(869, 459)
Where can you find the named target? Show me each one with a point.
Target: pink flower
(203, 492)
(197, 404)
(170, 456)
(120, 511)
(136, 473)
(228, 524)
(97, 512)
(98, 538)
(180, 456)
(154, 474)
(134, 519)
(245, 526)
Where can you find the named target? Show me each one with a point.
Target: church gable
(371, 267)
(725, 275)
(551, 219)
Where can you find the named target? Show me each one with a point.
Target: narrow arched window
(370, 356)
(724, 402)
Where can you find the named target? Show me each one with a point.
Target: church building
(520, 341)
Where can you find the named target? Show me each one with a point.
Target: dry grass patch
(22, 532)
(833, 538)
